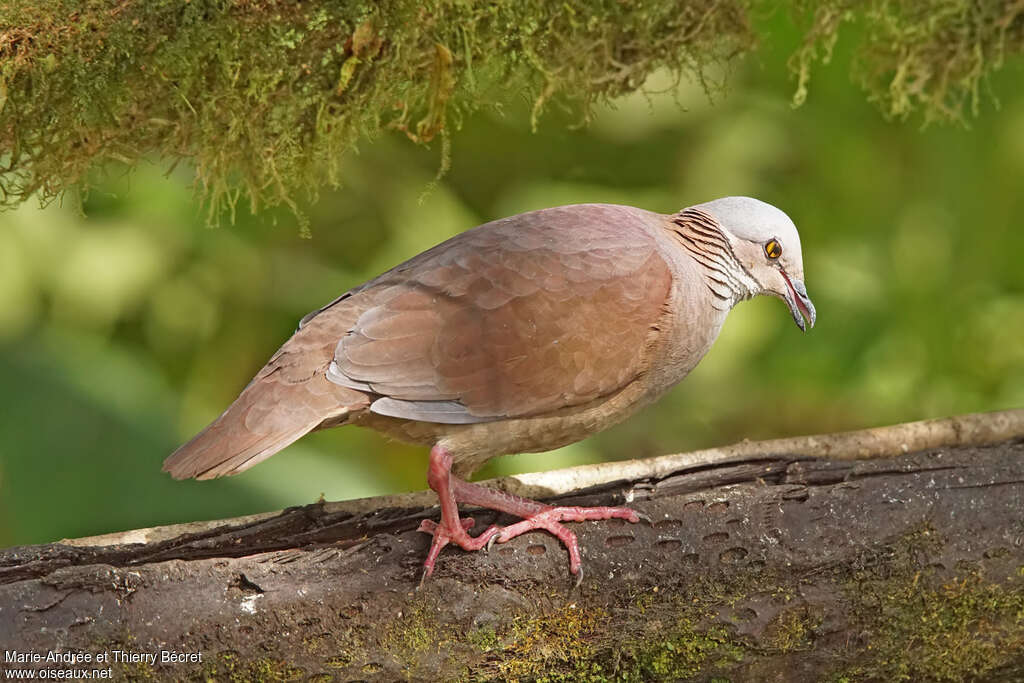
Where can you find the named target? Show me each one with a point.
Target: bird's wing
(518, 317)
(288, 398)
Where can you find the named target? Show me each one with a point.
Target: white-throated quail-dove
(522, 334)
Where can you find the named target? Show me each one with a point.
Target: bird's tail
(270, 414)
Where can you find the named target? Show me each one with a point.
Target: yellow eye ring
(772, 249)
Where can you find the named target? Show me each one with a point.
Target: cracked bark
(760, 562)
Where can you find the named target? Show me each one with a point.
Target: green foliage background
(126, 329)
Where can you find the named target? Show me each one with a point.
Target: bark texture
(776, 566)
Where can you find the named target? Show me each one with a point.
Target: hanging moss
(265, 98)
(930, 56)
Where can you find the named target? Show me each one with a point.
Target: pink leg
(535, 515)
(451, 529)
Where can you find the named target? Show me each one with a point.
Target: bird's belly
(471, 445)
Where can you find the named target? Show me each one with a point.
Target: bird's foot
(445, 534)
(550, 520)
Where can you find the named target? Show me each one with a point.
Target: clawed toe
(550, 520)
(533, 515)
(444, 534)
(641, 517)
(579, 578)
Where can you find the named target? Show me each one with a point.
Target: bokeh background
(127, 324)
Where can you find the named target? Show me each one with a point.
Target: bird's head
(766, 244)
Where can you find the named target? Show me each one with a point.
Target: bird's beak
(800, 305)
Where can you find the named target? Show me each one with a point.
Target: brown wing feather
(288, 398)
(518, 317)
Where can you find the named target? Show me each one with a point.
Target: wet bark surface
(766, 568)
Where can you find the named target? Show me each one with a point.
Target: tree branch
(759, 561)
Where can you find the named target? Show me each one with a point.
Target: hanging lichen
(265, 98)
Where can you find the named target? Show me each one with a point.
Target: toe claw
(579, 578)
(641, 517)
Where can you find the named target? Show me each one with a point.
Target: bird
(523, 334)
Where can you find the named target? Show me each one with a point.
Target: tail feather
(268, 416)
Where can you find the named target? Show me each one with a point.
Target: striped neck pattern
(704, 241)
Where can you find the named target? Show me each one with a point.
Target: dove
(520, 335)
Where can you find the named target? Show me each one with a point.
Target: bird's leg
(451, 490)
(538, 515)
(451, 529)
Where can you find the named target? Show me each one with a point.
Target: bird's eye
(772, 249)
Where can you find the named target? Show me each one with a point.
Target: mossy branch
(265, 98)
(906, 566)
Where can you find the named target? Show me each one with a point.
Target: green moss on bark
(955, 630)
(901, 621)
